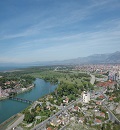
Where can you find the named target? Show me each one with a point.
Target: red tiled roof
(106, 84)
(49, 128)
(98, 121)
(98, 103)
(101, 96)
(76, 108)
(111, 98)
(102, 114)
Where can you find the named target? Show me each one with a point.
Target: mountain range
(97, 59)
(113, 58)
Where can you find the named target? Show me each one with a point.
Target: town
(60, 65)
(87, 97)
(10, 86)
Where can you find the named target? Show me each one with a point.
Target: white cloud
(60, 19)
(52, 36)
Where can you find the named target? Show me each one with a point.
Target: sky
(48, 30)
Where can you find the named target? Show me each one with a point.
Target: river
(9, 107)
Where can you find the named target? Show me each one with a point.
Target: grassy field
(61, 76)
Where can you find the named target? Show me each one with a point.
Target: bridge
(21, 100)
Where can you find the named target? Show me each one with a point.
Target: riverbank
(3, 98)
(9, 121)
(40, 89)
(23, 91)
(27, 89)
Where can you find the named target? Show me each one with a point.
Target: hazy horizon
(50, 30)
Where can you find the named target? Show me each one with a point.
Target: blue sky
(47, 30)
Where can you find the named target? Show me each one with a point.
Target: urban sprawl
(87, 97)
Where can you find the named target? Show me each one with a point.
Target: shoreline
(11, 120)
(3, 98)
(8, 122)
(5, 125)
(26, 90)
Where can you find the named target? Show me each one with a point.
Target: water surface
(9, 107)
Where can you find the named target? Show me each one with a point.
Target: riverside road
(42, 125)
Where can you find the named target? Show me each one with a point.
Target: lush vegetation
(72, 91)
(13, 80)
(99, 76)
(108, 126)
(70, 83)
(29, 117)
(115, 93)
(43, 111)
(70, 86)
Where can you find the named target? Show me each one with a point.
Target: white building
(86, 97)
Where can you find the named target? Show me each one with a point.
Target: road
(16, 123)
(92, 81)
(42, 125)
(112, 117)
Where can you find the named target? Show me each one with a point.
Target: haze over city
(47, 30)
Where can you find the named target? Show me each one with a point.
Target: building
(55, 122)
(119, 74)
(86, 97)
(97, 121)
(0, 92)
(113, 75)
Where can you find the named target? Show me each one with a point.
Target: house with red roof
(97, 121)
(49, 128)
(106, 84)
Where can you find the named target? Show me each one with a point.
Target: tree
(38, 108)
(29, 117)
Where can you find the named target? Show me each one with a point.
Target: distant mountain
(92, 59)
(114, 58)
(98, 58)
